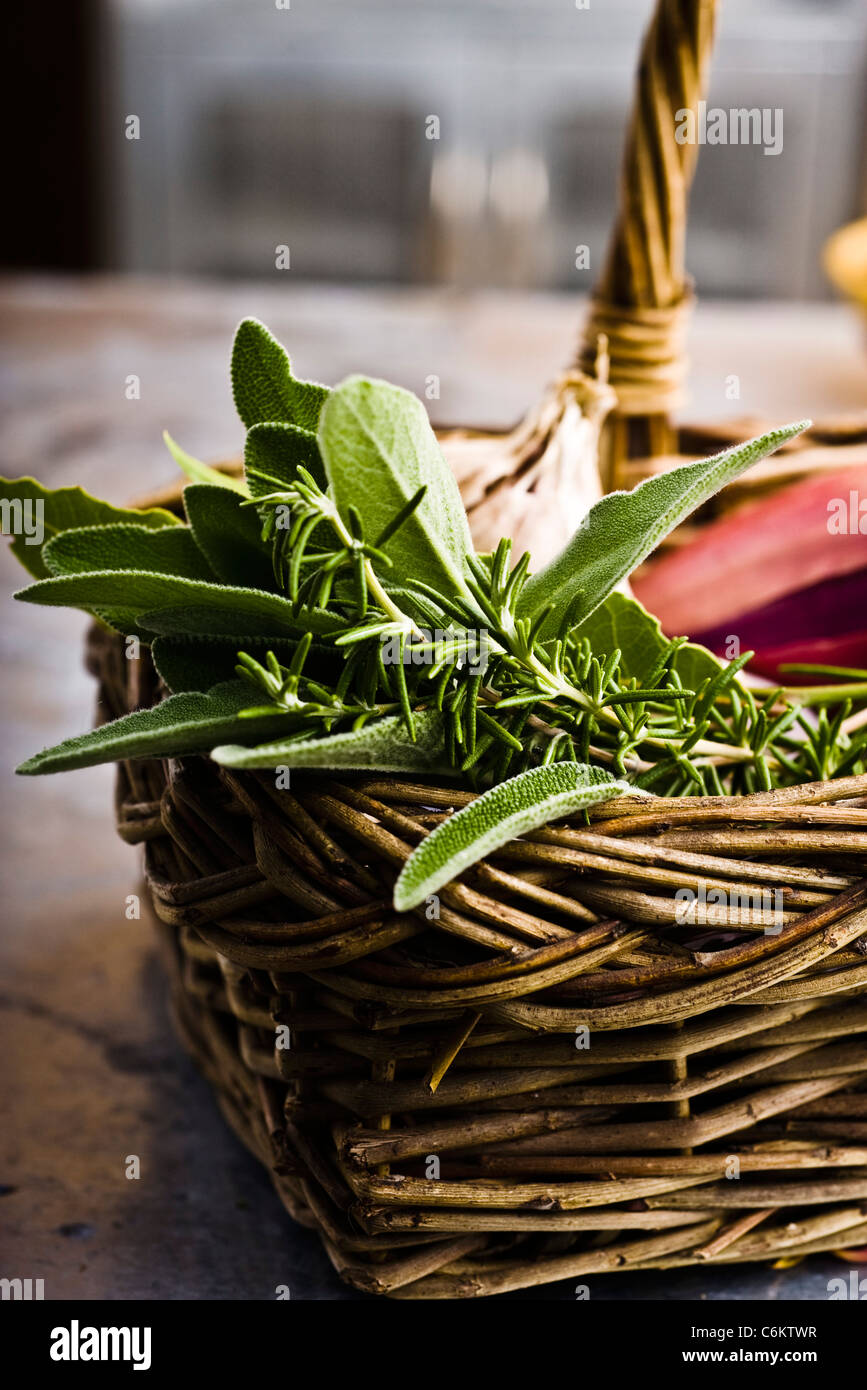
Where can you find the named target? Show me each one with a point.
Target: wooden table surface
(92, 1072)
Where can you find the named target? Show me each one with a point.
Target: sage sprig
(328, 610)
(623, 528)
(525, 802)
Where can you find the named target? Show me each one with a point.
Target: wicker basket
(556, 1076)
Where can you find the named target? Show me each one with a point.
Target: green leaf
(64, 509)
(203, 472)
(384, 745)
(622, 624)
(170, 550)
(152, 595)
(273, 453)
(202, 620)
(379, 449)
(198, 662)
(623, 528)
(263, 385)
(229, 535)
(523, 803)
(183, 724)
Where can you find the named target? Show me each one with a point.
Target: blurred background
(458, 142)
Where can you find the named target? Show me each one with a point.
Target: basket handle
(642, 300)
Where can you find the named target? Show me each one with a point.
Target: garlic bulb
(537, 482)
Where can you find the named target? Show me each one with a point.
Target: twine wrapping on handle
(643, 297)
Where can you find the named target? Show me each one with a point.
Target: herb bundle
(329, 611)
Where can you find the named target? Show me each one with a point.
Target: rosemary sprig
(378, 636)
(538, 701)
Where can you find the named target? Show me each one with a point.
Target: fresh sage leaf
(229, 535)
(622, 624)
(181, 725)
(197, 662)
(273, 454)
(383, 745)
(523, 803)
(170, 550)
(623, 528)
(200, 472)
(263, 385)
(200, 620)
(154, 593)
(379, 449)
(62, 509)
(167, 550)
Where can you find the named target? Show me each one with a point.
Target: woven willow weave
(551, 1079)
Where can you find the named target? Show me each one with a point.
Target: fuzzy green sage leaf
(525, 802)
(171, 550)
(379, 450)
(623, 528)
(63, 509)
(152, 593)
(229, 535)
(263, 384)
(622, 624)
(273, 454)
(182, 724)
(199, 662)
(384, 745)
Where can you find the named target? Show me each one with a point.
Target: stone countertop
(92, 1072)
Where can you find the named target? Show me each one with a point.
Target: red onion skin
(850, 651)
(757, 554)
(823, 624)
